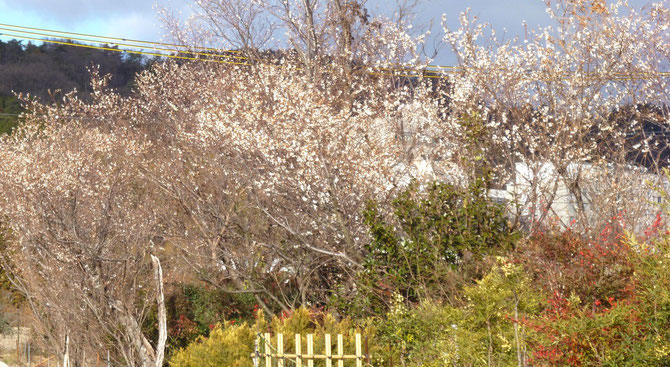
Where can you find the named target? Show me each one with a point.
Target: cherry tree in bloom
(82, 232)
(295, 148)
(584, 99)
(269, 171)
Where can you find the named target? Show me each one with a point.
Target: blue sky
(120, 18)
(136, 18)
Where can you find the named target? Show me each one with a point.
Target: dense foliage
(435, 236)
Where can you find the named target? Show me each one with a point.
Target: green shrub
(485, 330)
(418, 336)
(229, 346)
(491, 329)
(434, 235)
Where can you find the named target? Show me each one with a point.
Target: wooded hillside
(29, 68)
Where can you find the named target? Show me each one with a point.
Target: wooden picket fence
(272, 353)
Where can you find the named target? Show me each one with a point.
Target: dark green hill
(29, 68)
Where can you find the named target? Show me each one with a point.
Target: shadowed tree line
(40, 70)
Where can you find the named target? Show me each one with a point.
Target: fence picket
(340, 351)
(268, 351)
(310, 350)
(329, 360)
(359, 353)
(257, 362)
(298, 351)
(280, 350)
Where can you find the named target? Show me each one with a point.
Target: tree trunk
(516, 330)
(162, 314)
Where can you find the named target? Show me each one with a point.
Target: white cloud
(81, 10)
(133, 19)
